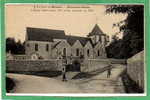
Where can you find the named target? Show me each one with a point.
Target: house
(51, 44)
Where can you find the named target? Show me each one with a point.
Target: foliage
(14, 47)
(133, 31)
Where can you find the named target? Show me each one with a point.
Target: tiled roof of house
(38, 34)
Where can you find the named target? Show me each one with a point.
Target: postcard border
(147, 32)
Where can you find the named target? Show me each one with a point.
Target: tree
(10, 45)
(14, 47)
(132, 29)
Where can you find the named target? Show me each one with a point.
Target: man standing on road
(109, 70)
(64, 63)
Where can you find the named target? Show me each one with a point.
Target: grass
(10, 84)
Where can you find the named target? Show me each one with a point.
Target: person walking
(109, 70)
(64, 74)
(64, 69)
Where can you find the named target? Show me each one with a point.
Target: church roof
(96, 31)
(38, 34)
(72, 39)
(55, 45)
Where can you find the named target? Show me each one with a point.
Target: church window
(77, 52)
(88, 52)
(98, 53)
(64, 51)
(47, 47)
(36, 47)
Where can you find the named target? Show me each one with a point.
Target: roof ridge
(96, 30)
(44, 28)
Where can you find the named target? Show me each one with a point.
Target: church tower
(97, 35)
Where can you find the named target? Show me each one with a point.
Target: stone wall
(56, 65)
(32, 65)
(135, 68)
(60, 49)
(95, 64)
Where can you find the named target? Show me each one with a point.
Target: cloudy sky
(73, 19)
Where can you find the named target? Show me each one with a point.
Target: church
(51, 44)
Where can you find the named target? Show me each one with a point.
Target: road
(96, 83)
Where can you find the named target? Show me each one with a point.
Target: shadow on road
(41, 73)
(90, 74)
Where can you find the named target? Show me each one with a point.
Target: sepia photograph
(75, 49)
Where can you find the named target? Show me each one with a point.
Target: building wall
(135, 68)
(58, 50)
(103, 39)
(89, 47)
(101, 48)
(42, 52)
(95, 39)
(77, 45)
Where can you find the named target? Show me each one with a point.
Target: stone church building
(51, 44)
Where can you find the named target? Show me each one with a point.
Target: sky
(76, 20)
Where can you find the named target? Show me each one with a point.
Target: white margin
(74, 94)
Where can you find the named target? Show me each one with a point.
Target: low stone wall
(32, 65)
(118, 61)
(55, 65)
(135, 68)
(94, 64)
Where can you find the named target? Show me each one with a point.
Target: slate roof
(72, 39)
(96, 31)
(55, 45)
(38, 34)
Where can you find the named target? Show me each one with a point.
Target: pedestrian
(63, 74)
(64, 69)
(109, 71)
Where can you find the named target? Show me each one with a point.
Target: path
(98, 83)
(36, 84)
(101, 84)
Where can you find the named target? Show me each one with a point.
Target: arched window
(47, 47)
(64, 51)
(77, 52)
(88, 52)
(36, 47)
